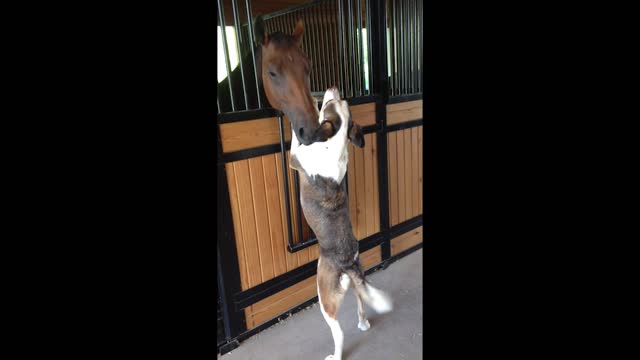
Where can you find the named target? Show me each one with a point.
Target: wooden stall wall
(256, 191)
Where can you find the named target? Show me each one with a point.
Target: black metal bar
(253, 53)
(421, 50)
(407, 44)
(382, 90)
(369, 71)
(324, 48)
(362, 100)
(303, 245)
(352, 49)
(416, 47)
(313, 45)
(404, 125)
(236, 25)
(360, 45)
(404, 98)
(226, 253)
(226, 52)
(251, 153)
(285, 177)
(225, 118)
(342, 50)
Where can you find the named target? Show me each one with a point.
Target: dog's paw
(364, 325)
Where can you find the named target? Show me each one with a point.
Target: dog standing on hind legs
(322, 167)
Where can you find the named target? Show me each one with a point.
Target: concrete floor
(393, 336)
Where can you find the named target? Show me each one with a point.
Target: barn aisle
(305, 335)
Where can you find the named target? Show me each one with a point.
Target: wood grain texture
(369, 229)
(290, 259)
(406, 240)
(263, 232)
(237, 225)
(402, 206)
(392, 168)
(415, 206)
(403, 112)
(361, 207)
(252, 133)
(420, 153)
(364, 115)
(408, 177)
(274, 214)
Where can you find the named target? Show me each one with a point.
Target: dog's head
(334, 115)
(328, 155)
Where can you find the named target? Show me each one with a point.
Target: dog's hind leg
(330, 295)
(363, 323)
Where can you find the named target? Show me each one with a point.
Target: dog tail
(375, 298)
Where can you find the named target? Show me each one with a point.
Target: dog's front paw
(364, 325)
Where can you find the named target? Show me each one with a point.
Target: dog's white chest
(328, 159)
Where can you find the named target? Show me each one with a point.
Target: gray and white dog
(322, 167)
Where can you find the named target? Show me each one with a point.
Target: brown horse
(284, 73)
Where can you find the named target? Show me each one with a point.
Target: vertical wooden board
(402, 208)
(237, 225)
(392, 171)
(262, 220)
(273, 212)
(408, 163)
(290, 259)
(248, 315)
(415, 176)
(314, 252)
(360, 194)
(245, 201)
(376, 188)
(368, 184)
(351, 173)
(420, 151)
(302, 255)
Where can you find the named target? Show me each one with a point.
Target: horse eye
(272, 74)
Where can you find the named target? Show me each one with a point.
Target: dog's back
(324, 201)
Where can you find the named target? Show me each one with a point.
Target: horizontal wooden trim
(266, 309)
(406, 240)
(364, 114)
(403, 112)
(248, 134)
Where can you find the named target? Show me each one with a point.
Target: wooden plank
(402, 209)
(406, 241)
(262, 219)
(364, 114)
(274, 214)
(290, 259)
(376, 188)
(351, 180)
(284, 300)
(247, 216)
(421, 183)
(370, 258)
(361, 230)
(252, 133)
(408, 168)
(403, 112)
(368, 185)
(237, 225)
(392, 170)
(415, 207)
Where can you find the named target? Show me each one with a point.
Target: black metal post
(285, 177)
(227, 266)
(226, 52)
(236, 24)
(382, 90)
(253, 53)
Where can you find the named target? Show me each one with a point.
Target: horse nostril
(301, 132)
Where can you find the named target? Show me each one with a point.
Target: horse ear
(259, 32)
(298, 31)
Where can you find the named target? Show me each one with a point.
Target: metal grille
(404, 44)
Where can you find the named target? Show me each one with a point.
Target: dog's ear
(259, 32)
(355, 135)
(324, 132)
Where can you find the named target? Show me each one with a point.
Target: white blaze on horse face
(328, 159)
